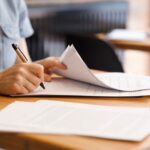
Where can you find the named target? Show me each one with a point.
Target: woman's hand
(25, 77)
(21, 78)
(50, 63)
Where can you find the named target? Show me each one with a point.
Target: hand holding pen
(23, 58)
(23, 78)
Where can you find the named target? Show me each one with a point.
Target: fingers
(28, 79)
(18, 89)
(52, 62)
(33, 79)
(47, 77)
(55, 62)
(21, 79)
(49, 64)
(27, 84)
(24, 78)
(31, 76)
(12, 88)
(37, 70)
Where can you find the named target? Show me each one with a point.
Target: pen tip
(42, 85)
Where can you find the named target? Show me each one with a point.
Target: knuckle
(40, 71)
(38, 68)
(37, 82)
(31, 88)
(18, 77)
(20, 69)
(24, 91)
(15, 88)
(41, 68)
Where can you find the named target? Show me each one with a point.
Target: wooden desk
(128, 44)
(22, 141)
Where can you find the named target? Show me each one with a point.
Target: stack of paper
(80, 81)
(54, 117)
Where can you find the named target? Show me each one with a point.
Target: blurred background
(62, 22)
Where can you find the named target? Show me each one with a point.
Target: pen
(23, 58)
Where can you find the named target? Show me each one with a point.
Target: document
(78, 80)
(78, 70)
(55, 117)
(124, 34)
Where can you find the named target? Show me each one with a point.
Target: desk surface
(36, 141)
(128, 44)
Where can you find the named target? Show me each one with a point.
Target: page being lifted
(78, 70)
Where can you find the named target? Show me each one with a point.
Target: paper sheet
(123, 34)
(67, 87)
(56, 117)
(78, 70)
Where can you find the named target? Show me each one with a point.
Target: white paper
(123, 34)
(67, 87)
(78, 70)
(56, 117)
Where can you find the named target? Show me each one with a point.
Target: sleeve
(25, 26)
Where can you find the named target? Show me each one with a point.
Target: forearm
(23, 45)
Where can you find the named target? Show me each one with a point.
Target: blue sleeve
(25, 26)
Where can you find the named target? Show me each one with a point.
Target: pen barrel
(21, 57)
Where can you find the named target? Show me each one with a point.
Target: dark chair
(96, 53)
